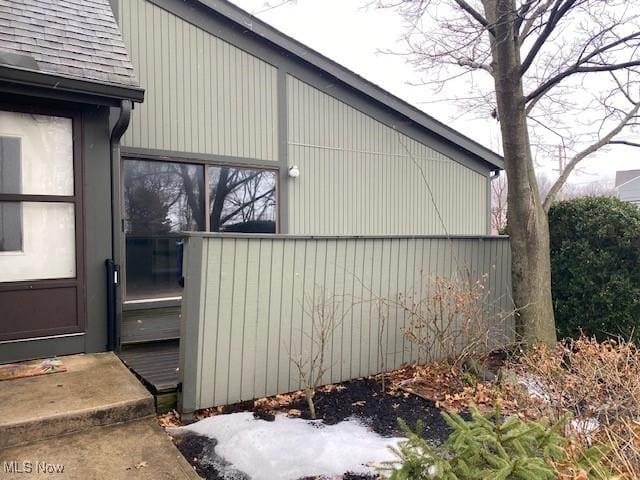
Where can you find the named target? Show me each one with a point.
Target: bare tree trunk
(218, 200)
(309, 393)
(526, 217)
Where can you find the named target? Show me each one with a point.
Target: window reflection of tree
(242, 199)
(163, 198)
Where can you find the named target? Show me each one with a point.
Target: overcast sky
(352, 35)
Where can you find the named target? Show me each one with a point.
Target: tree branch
(528, 24)
(624, 142)
(475, 65)
(607, 139)
(577, 68)
(558, 11)
(244, 205)
(477, 16)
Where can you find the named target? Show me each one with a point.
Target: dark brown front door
(41, 240)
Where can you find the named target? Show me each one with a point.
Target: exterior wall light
(294, 171)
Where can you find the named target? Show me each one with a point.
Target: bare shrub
(623, 440)
(599, 384)
(454, 320)
(587, 378)
(326, 314)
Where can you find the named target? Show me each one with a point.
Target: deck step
(156, 363)
(96, 390)
(150, 325)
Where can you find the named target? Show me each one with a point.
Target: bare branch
(607, 139)
(527, 26)
(477, 16)
(475, 65)
(559, 10)
(584, 65)
(624, 142)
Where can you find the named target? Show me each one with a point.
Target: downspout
(493, 175)
(114, 305)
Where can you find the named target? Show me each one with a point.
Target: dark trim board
(277, 236)
(283, 152)
(42, 347)
(230, 23)
(191, 157)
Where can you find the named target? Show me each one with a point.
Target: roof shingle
(73, 38)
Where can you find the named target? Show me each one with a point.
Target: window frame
(213, 161)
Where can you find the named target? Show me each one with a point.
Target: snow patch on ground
(535, 387)
(293, 448)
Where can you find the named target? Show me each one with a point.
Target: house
(628, 186)
(242, 129)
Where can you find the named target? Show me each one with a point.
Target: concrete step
(96, 390)
(136, 450)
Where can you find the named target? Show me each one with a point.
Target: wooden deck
(150, 325)
(150, 348)
(155, 363)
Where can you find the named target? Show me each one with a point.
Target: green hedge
(595, 267)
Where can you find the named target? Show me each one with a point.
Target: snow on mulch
(292, 448)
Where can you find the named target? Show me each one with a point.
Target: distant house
(242, 129)
(628, 186)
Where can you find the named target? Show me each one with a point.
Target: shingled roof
(71, 38)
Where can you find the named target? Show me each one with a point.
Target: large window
(163, 199)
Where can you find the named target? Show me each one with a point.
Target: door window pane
(36, 154)
(10, 165)
(10, 227)
(161, 200)
(47, 241)
(242, 200)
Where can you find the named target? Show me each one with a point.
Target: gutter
(114, 305)
(102, 92)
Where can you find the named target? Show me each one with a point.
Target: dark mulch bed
(361, 398)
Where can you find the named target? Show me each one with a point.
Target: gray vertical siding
(203, 95)
(244, 295)
(360, 176)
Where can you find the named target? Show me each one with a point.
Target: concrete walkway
(134, 450)
(95, 421)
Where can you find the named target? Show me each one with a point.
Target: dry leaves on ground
(445, 386)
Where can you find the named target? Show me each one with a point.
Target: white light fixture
(294, 171)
